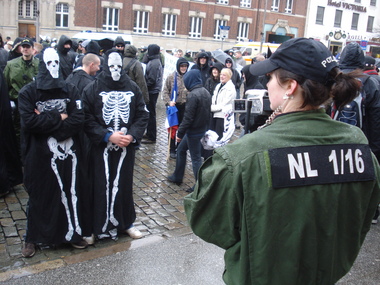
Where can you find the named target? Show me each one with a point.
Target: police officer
(292, 202)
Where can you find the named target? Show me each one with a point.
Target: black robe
(112, 106)
(52, 158)
(10, 166)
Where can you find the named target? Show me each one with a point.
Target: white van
(250, 49)
(105, 40)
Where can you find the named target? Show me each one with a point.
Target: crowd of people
(74, 115)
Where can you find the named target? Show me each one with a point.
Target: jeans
(151, 130)
(193, 144)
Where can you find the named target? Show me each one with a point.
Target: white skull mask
(51, 60)
(115, 63)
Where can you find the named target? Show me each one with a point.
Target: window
(222, 2)
(373, 3)
(242, 34)
(245, 3)
(275, 5)
(27, 9)
(169, 25)
(289, 6)
(141, 22)
(62, 15)
(355, 20)
(195, 27)
(110, 19)
(218, 23)
(320, 15)
(338, 18)
(370, 24)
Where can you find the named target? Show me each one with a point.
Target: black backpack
(353, 112)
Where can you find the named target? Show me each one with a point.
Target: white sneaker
(134, 233)
(90, 240)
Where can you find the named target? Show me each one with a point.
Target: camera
(259, 99)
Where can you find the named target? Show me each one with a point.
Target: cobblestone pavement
(159, 208)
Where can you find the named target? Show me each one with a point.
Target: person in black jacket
(66, 60)
(82, 76)
(193, 126)
(203, 64)
(153, 78)
(352, 58)
(251, 82)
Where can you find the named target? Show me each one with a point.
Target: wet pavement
(161, 219)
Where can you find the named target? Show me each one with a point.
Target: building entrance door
(27, 30)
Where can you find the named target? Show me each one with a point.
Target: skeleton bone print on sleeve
(61, 151)
(116, 107)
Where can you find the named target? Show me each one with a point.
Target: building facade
(185, 24)
(336, 23)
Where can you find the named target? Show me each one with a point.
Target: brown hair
(342, 87)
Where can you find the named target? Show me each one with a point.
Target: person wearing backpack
(352, 57)
(135, 70)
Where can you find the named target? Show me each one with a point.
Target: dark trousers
(151, 130)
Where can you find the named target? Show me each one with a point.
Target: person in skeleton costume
(51, 119)
(115, 120)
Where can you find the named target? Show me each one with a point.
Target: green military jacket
(291, 204)
(18, 73)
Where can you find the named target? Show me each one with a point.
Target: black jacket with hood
(211, 82)
(352, 58)
(205, 69)
(153, 74)
(66, 63)
(198, 106)
(119, 41)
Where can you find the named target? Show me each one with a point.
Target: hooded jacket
(119, 41)
(66, 61)
(153, 74)
(134, 70)
(205, 69)
(211, 82)
(169, 84)
(352, 58)
(197, 111)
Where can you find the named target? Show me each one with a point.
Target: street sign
(363, 45)
(225, 28)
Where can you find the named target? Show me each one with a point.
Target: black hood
(153, 51)
(216, 65)
(105, 76)
(192, 79)
(203, 54)
(45, 81)
(61, 43)
(352, 57)
(93, 47)
(119, 41)
(251, 81)
(180, 61)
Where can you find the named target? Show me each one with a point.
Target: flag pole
(169, 141)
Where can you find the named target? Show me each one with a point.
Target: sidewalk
(159, 207)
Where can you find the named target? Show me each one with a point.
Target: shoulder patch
(320, 164)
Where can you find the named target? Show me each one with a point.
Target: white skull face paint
(51, 60)
(115, 63)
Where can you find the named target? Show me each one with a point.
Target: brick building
(185, 24)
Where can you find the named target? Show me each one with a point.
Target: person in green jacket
(19, 72)
(292, 202)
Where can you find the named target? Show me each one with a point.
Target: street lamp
(263, 32)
